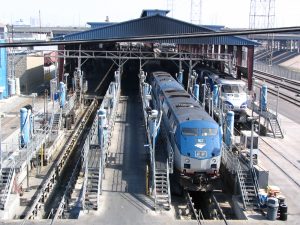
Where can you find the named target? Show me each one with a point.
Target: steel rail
(191, 205)
(219, 208)
(277, 80)
(280, 167)
(291, 99)
(69, 187)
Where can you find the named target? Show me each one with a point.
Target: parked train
(232, 90)
(195, 138)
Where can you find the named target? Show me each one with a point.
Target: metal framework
(262, 15)
(196, 11)
(126, 55)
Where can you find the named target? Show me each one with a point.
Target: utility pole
(40, 24)
(170, 6)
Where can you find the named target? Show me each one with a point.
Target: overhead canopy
(156, 24)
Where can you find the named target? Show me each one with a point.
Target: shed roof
(156, 25)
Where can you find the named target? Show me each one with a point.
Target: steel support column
(239, 54)
(61, 65)
(205, 49)
(222, 51)
(230, 49)
(250, 58)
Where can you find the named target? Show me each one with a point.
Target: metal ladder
(6, 183)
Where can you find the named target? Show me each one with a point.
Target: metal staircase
(56, 122)
(93, 178)
(275, 127)
(162, 190)
(248, 187)
(6, 183)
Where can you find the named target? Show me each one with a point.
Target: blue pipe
(62, 90)
(196, 91)
(101, 127)
(263, 97)
(146, 89)
(153, 121)
(180, 77)
(215, 95)
(229, 128)
(24, 125)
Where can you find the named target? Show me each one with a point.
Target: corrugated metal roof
(100, 24)
(156, 25)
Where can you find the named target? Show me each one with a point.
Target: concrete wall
(33, 77)
(30, 71)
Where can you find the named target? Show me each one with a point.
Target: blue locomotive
(194, 136)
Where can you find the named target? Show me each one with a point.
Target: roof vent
(153, 12)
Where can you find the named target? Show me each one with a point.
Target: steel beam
(250, 57)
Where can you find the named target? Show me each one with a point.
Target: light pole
(277, 99)
(66, 76)
(1, 115)
(252, 119)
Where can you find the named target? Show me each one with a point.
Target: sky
(231, 13)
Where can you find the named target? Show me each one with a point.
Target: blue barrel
(215, 95)
(62, 90)
(229, 127)
(196, 91)
(24, 126)
(263, 97)
(101, 125)
(180, 77)
(56, 96)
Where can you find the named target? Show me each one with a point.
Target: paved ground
(282, 158)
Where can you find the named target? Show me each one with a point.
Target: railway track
(56, 170)
(291, 87)
(288, 84)
(272, 151)
(197, 213)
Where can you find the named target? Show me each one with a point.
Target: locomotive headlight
(187, 160)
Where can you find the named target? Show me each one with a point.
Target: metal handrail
(5, 197)
(242, 186)
(168, 183)
(256, 185)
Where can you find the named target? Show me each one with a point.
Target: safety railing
(242, 185)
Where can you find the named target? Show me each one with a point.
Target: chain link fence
(277, 70)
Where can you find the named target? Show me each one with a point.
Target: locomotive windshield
(189, 131)
(226, 88)
(209, 132)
